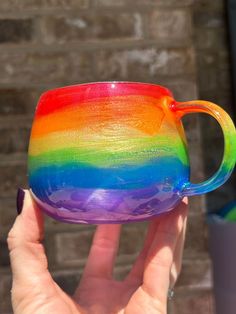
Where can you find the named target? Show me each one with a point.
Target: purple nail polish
(20, 200)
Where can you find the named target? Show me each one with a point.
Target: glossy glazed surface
(115, 152)
(107, 152)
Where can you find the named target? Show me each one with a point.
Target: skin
(144, 290)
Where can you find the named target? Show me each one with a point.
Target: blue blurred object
(226, 213)
(229, 211)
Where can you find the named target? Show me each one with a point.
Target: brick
(80, 68)
(224, 79)
(76, 245)
(196, 164)
(73, 248)
(209, 81)
(11, 178)
(13, 159)
(14, 141)
(43, 4)
(33, 67)
(208, 38)
(212, 159)
(17, 102)
(7, 214)
(197, 204)
(191, 127)
(132, 238)
(15, 31)
(53, 225)
(45, 67)
(5, 294)
(221, 97)
(209, 19)
(207, 61)
(196, 238)
(170, 25)
(143, 64)
(224, 99)
(224, 62)
(170, 3)
(121, 272)
(4, 254)
(93, 26)
(114, 3)
(214, 72)
(195, 273)
(195, 303)
(67, 280)
(183, 89)
(217, 5)
(14, 122)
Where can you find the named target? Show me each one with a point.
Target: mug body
(109, 152)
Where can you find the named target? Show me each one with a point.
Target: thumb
(28, 259)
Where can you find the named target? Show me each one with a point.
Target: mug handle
(229, 157)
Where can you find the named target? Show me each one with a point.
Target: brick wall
(50, 43)
(214, 84)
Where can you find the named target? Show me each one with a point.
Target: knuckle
(11, 239)
(162, 258)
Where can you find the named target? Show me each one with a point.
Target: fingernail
(20, 200)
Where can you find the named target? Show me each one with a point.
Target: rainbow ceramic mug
(115, 152)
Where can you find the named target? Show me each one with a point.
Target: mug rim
(72, 88)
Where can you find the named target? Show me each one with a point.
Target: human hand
(144, 290)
